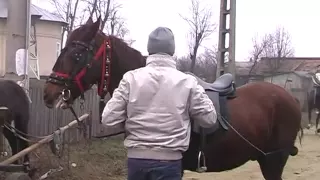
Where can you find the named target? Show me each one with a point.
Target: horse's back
(271, 105)
(13, 96)
(272, 93)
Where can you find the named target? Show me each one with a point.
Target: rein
(85, 63)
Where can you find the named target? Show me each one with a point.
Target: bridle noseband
(84, 60)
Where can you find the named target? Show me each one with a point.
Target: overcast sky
(300, 18)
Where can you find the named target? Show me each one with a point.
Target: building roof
(35, 11)
(242, 67)
(298, 73)
(286, 65)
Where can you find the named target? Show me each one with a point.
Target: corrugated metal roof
(303, 73)
(35, 10)
(264, 66)
(45, 15)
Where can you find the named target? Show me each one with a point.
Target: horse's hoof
(294, 151)
(201, 169)
(309, 126)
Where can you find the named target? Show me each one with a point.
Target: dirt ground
(306, 165)
(105, 160)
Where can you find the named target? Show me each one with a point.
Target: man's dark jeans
(145, 169)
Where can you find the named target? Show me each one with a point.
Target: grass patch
(95, 160)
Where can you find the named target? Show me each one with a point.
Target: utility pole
(18, 37)
(27, 45)
(223, 31)
(16, 31)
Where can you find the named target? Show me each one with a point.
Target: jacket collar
(162, 60)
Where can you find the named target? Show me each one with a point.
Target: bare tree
(99, 8)
(183, 64)
(211, 54)
(200, 28)
(205, 67)
(118, 27)
(112, 22)
(209, 62)
(75, 12)
(68, 10)
(258, 48)
(276, 45)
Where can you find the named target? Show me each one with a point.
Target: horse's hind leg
(317, 123)
(272, 165)
(22, 144)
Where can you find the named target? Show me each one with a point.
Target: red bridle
(104, 51)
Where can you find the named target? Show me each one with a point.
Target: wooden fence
(44, 121)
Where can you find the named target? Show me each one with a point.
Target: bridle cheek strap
(102, 51)
(79, 76)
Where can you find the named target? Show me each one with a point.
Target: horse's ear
(96, 25)
(99, 19)
(89, 21)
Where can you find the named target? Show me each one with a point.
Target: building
(45, 43)
(243, 72)
(293, 74)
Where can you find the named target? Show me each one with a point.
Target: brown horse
(263, 120)
(15, 99)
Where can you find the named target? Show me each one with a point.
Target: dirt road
(306, 165)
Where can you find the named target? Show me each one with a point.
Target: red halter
(104, 51)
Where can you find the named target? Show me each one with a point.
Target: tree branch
(200, 28)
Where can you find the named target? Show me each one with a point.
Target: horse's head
(78, 66)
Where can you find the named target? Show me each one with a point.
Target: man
(156, 103)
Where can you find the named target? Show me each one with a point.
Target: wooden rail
(22, 153)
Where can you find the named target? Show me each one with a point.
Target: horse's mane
(127, 55)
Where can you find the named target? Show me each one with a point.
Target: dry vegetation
(97, 159)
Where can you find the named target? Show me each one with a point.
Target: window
(58, 49)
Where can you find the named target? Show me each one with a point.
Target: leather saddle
(224, 84)
(222, 89)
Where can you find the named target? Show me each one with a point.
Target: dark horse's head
(89, 57)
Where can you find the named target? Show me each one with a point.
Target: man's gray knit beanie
(161, 40)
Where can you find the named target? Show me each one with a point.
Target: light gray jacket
(156, 104)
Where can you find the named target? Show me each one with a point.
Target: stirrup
(201, 169)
